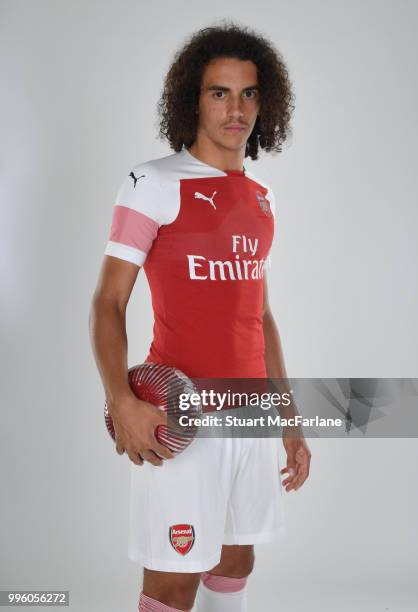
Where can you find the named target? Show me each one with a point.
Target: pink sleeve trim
(132, 228)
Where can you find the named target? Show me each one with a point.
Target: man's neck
(218, 157)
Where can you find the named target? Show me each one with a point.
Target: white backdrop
(80, 83)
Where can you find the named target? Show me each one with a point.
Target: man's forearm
(273, 354)
(110, 346)
(275, 367)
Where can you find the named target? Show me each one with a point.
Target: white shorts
(218, 491)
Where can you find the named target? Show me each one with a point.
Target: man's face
(229, 102)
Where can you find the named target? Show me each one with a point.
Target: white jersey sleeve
(136, 215)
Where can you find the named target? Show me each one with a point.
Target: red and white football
(162, 385)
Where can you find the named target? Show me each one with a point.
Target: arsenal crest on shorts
(181, 538)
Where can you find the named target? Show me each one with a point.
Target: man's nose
(235, 106)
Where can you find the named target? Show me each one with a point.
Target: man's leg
(223, 588)
(168, 591)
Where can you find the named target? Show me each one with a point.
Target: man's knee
(174, 589)
(237, 561)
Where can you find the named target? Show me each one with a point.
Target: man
(202, 226)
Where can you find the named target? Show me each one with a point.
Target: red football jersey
(203, 236)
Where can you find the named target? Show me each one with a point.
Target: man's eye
(218, 94)
(252, 93)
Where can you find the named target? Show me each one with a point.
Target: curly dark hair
(179, 100)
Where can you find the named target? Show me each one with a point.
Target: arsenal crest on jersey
(181, 537)
(263, 203)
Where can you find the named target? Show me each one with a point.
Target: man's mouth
(234, 128)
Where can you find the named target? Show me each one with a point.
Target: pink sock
(147, 604)
(221, 594)
(222, 584)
